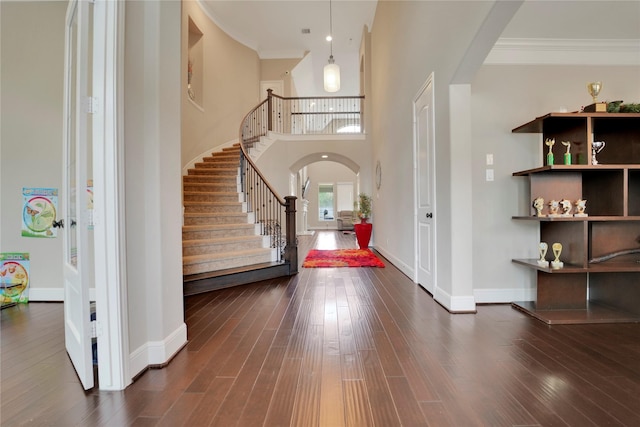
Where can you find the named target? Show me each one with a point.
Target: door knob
(429, 215)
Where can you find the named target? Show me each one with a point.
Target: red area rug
(341, 258)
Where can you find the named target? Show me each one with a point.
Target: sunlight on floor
(326, 240)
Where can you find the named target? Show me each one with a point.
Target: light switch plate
(489, 175)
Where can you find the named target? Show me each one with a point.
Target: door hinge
(96, 329)
(91, 105)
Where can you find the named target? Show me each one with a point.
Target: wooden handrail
(260, 198)
(277, 113)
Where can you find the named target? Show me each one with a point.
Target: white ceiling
(274, 28)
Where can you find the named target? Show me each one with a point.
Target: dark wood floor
(337, 347)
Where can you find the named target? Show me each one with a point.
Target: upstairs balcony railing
(275, 215)
(304, 116)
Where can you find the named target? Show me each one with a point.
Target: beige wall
(153, 181)
(326, 173)
(409, 41)
(278, 69)
(32, 76)
(504, 97)
(501, 98)
(230, 84)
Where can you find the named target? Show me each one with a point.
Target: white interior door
(77, 136)
(425, 187)
(277, 86)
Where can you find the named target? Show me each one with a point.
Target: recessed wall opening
(195, 64)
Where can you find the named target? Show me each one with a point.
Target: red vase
(363, 234)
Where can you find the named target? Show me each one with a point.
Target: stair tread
(212, 184)
(193, 259)
(214, 214)
(206, 227)
(198, 203)
(230, 239)
(235, 169)
(224, 193)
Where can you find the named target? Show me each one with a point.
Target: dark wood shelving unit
(583, 291)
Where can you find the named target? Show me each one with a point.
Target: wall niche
(195, 61)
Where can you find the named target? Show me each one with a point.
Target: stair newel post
(291, 248)
(269, 110)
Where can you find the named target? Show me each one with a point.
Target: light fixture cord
(331, 28)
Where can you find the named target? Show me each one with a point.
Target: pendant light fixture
(331, 70)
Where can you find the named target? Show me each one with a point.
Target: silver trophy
(596, 148)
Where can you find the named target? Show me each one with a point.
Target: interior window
(325, 202)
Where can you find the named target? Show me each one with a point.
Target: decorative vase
(363, 234)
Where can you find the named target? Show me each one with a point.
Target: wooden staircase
(221, 243)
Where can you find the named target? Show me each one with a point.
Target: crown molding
(565, 52)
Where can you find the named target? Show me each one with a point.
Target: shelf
(604, 267)
(593, 218)
(583, 292)
(536, 125)
(568, 268)
(577, 168)
(594, 313)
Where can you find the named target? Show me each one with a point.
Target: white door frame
(105, 106)
(108, 186)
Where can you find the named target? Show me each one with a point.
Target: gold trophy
(594, 89)
(557, 250)
(542, 248)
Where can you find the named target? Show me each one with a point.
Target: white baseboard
(53, 294)
(462, 304)
(46, 294)
(157, 352)
(486, 296)
(407, 270)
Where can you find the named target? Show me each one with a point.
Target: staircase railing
(309, 115)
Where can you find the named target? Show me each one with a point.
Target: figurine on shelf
(549, 142)
(566, 207)
(554, 206)
(567, 154)
(596, 148)
(557, 250)
(542, 248)
(581, 205)
(538, 204)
